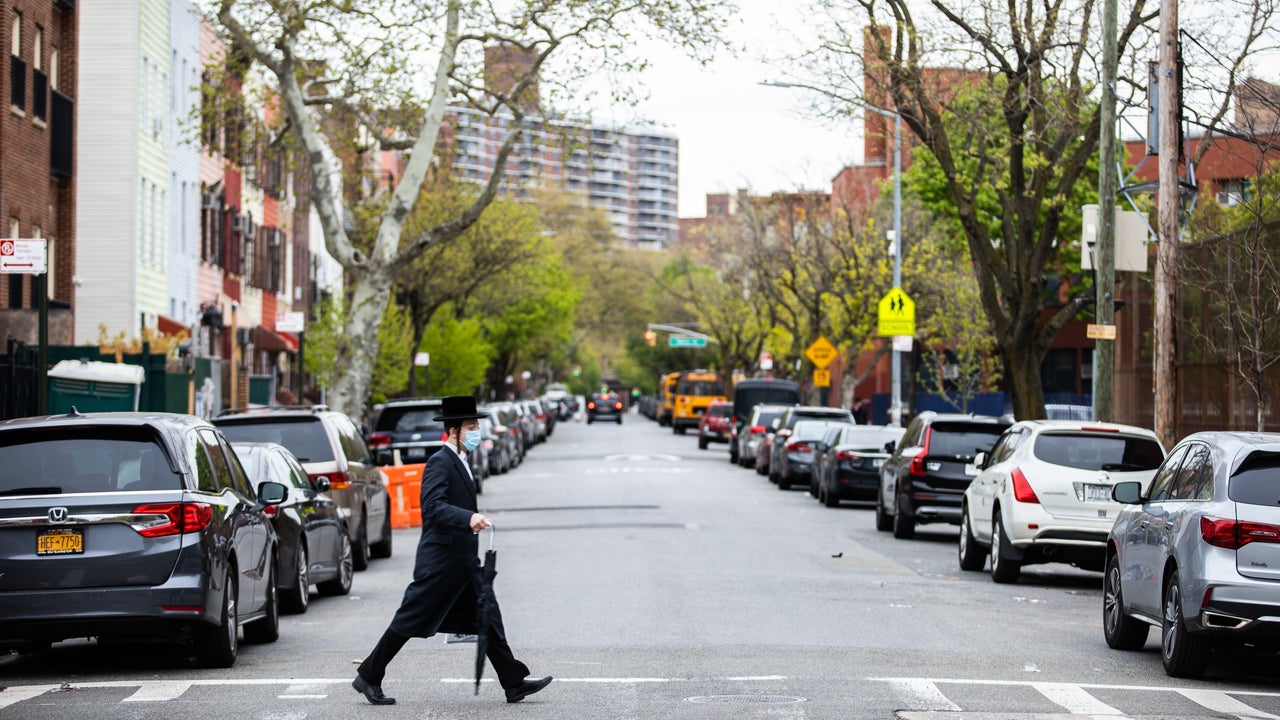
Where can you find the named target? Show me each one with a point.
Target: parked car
(328, 445)
(848, 467)
(133, 526)
(407, 427)
(716, 424)
(795, 458)
(784, 425)
(604, 406)
(1198, 553)
(1043, 494)
(925, 477)
(751, 435)
(538, 420)
(496, 446)
(313, 543)
(506, 419)
(750, 392)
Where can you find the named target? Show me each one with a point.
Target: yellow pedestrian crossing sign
(897, 314)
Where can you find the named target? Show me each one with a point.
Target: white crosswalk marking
(304, 691)
(11, 695)
(1222, 702)
(922, 694)
(159, 691)
(1076, 700)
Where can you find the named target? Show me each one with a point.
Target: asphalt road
(655, 580)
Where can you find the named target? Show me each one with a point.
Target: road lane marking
(921, 694)
(1219, 701)
(12, 695)
(159, 691)
(1075, 699)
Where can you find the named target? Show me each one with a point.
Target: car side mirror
(890, 446)
(980, 460)
(1127, 493)
(321, 484)
(272, 493)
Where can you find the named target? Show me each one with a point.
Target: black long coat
(446, 573)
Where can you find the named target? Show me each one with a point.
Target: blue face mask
(471, 439)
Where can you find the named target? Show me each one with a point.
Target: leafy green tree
(395, 354)
(325, 338)
(960, 361)
(460, 354)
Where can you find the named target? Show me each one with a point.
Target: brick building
(38, 158)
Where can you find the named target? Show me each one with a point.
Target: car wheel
(904, 524)
(216, 647)
(295, 599)
(382, 548)
(340, 585)
(619, 419)
(734, 459)
(1185, 655)
(829, 496)
(971, 555)
(1004, 569)
(267, 629)
(360, 549)
(702, 443)
(884, 521)
(783, 483)
(1121, 631)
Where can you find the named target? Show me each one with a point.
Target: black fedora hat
(459, 407)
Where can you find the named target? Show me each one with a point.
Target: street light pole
(895, 404)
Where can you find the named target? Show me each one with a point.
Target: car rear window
(410, 419)
(1257, 482)
(869, 438)
(720, 411)
(767, 419)
(962, 440)
(95, 460)
(304, 437)
(1093, 452)
(835, 415)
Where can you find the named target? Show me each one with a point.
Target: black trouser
(511, 672)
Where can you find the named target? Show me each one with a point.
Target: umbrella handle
(493, 530)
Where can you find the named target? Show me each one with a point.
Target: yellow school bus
(695, 390)
(667, 397)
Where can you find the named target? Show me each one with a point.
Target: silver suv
(328, 445)
(1198, 555)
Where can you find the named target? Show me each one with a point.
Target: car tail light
(799, 447)
(756, 430)
(848, 455)
(271, 510)
(1100, 429)
(917, 463)
(591, 406)
(617, 406)
(337, 480)
(1022, 491)
(377, 440)
(1234, 534)
(171, 518)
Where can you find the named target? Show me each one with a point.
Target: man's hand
(479, 522)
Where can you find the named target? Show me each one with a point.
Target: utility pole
(1105, 286)
(1170, 194)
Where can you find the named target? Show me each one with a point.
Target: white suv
(1043, 494)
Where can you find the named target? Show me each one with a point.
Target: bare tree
(396, 66)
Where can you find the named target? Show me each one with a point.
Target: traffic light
(577, 371)
(650, 338)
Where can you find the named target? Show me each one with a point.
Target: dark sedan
(131, 526)
(795, 458)
(848, 468)
(314, 546)
(604, 406)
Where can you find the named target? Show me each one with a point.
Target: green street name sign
(678, 341)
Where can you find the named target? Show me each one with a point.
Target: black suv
(408, 426)
(783, 426)
(133, 526)
(924, 479)
(328, 444)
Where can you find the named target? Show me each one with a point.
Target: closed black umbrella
(486, 606)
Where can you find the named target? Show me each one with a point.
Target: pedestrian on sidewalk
(861, 411)
(446, 573)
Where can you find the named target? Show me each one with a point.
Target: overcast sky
(735, 133)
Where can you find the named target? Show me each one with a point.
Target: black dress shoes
(526, 688)
(373, 693)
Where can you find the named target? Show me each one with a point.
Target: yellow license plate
(63, 541)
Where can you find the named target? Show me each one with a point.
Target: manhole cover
(744, 699)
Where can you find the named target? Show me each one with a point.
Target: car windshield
(1093, 452)
(810, 430)
(962, 440)
(304, 437)
(1257, 482)
(86, 461)
(410, 419)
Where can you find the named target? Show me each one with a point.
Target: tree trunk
(356, 357)
(1025, 388)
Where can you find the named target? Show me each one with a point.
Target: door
(1143, 560)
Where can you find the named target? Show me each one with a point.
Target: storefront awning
(272, 341)
(169, 326)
